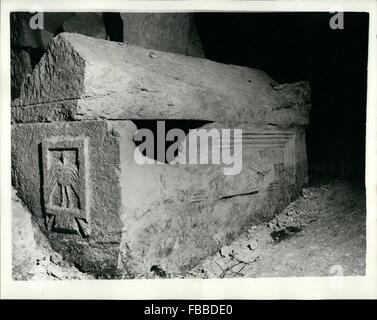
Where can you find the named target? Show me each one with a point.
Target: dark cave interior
(301, 46)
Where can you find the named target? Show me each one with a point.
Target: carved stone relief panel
(66, 185)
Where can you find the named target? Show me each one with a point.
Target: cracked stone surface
(333, 234)
(73, 151)
(82, 78)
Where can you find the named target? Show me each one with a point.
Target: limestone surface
(91, 241)
(81, 78)
(73, 154)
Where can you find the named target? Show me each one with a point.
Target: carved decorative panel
(65, 184)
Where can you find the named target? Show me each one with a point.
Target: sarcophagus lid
(85, 78)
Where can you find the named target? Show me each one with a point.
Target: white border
(245, 288)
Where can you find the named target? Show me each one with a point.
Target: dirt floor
(33, 258)
(322, 233)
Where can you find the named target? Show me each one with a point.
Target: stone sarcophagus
(114, 209)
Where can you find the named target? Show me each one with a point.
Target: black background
(301, 46)
(134, 309)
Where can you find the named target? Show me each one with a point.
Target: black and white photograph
(188, 144)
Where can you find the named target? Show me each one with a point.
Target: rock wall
(171, 32)
(28, 44)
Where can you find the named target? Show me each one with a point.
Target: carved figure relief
(65, 185)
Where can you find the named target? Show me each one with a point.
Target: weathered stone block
(52, 163)
(98, 79)
(73, 154)
(85, 190)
